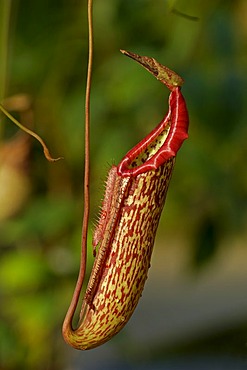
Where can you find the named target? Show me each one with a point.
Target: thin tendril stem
(87, 148)
(87, 131)
(67, 325)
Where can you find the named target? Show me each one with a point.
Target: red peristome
(178, 119)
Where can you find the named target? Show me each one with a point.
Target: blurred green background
(194, 308)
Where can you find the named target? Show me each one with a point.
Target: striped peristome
(134, 198)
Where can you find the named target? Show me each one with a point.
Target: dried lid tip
(162, 73)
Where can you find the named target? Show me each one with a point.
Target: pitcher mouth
(144, 154)
(165, 140)
(162, 143)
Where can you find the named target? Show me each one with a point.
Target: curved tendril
(32, 133)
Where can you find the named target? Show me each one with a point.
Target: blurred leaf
(44, 218)
(21, 271)
(206, 242)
